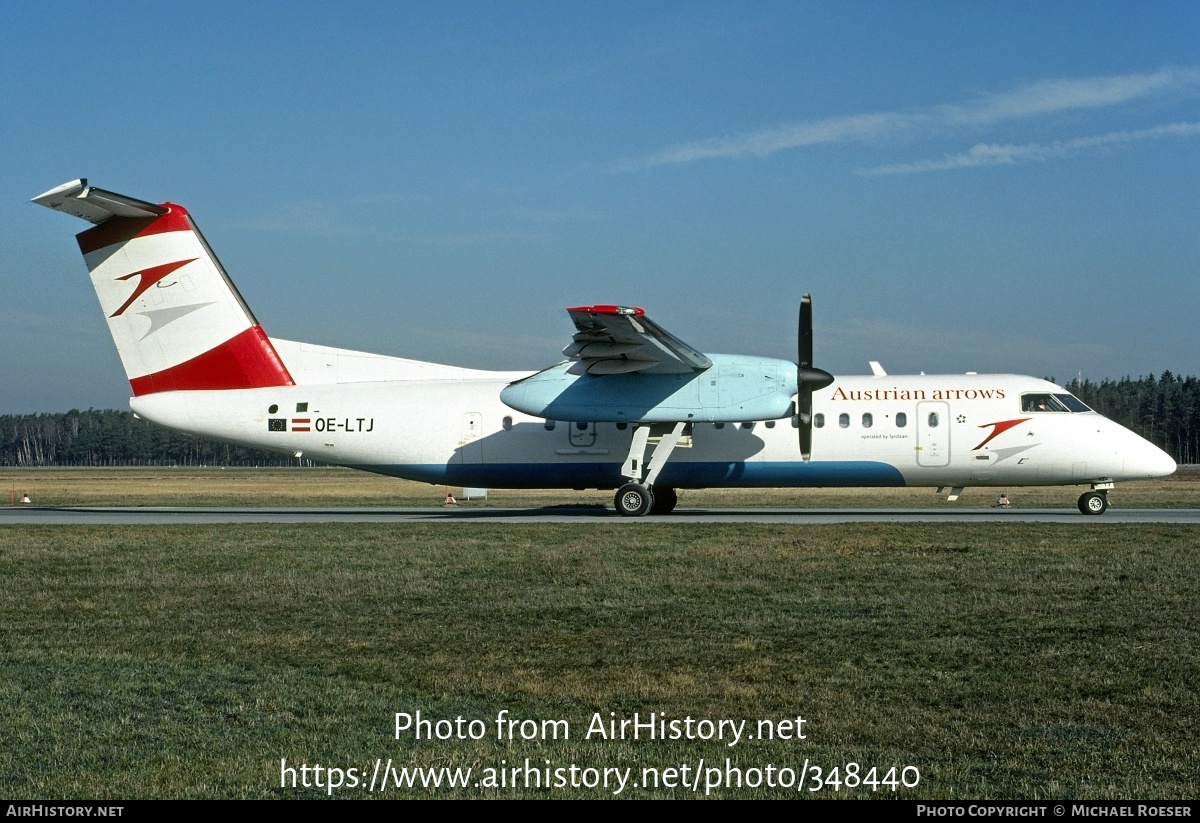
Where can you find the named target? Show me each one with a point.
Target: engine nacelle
(734, 389)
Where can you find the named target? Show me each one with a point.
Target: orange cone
(450, 501)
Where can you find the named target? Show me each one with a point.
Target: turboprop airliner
(632, 408)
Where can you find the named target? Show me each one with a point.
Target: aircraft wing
(621, 340)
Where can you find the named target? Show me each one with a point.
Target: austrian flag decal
(301, 424)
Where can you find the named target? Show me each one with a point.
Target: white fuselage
(446, 425)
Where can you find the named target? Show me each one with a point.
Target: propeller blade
(804, 410)
(804, 345)
(808, 377)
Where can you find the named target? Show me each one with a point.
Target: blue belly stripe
(678, 475)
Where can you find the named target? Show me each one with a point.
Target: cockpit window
(1041, 403)
(1072, 402)
(1051, 403)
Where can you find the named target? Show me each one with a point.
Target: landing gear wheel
(665, 499)
(633, 500)
(1093, 502)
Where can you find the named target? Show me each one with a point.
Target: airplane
(632, 408)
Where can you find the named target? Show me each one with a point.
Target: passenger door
(933, 434)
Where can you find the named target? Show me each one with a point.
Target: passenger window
(549, 424)
(819, 421)
(770, 424)
(507, 423)
(933, 420)
(844, 420)
(718, 425)
(901, 420)
(868, 420)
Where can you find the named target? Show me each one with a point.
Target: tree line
(1165, 411)
(117, 438)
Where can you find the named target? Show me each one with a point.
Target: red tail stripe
(247, 361)
(122, 229)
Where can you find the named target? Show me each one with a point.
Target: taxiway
(63, 516)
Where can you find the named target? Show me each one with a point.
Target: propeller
(807, 377)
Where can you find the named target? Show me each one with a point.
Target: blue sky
(962, 186)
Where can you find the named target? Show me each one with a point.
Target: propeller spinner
(808, 378)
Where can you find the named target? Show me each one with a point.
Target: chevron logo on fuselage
(999, 428)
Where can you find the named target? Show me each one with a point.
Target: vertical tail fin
(176, 317)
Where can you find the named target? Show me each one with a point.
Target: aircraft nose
(1151, 461)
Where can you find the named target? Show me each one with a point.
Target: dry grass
(1005, 661)
(1002, 660)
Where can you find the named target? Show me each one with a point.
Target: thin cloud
(1042, 98)
(985, 154)
(1071, 94)
(768, 142)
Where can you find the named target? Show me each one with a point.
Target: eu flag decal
(277, 424)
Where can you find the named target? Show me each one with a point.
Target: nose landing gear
(1093, 502)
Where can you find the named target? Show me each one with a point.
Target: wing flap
(614, 366)
(621, 340)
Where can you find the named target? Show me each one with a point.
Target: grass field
(344, 487)
(994, 661)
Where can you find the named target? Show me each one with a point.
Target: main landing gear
(640, 496)
(635, 500)
(665, 499)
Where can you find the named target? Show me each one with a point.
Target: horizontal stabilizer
(94, 205)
